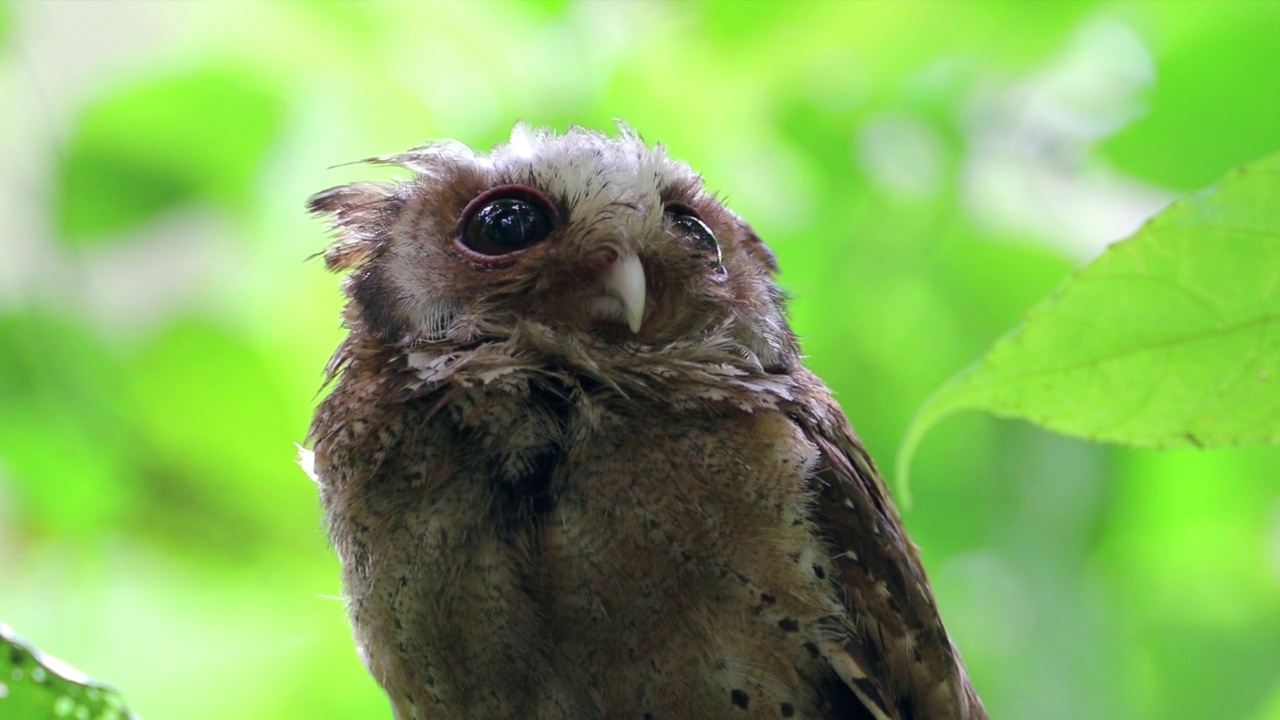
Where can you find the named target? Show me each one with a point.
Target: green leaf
(1171, 338)
(35, 685)
(199, 136)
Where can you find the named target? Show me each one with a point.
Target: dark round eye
(685, 221)
(505, 220)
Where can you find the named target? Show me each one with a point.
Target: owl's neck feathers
(713, 371)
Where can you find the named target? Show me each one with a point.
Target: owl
(574, 468)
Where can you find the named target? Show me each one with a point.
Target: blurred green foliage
(925, 171)
(135, 154)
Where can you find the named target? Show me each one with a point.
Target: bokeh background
(925, 171)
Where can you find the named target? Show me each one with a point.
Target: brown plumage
(574, 468)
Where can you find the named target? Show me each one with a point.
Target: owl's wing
(899, 661)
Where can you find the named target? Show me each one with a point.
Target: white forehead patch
(586, 168)
(521, 143)
(580, 163)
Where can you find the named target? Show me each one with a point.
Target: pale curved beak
(624, 282)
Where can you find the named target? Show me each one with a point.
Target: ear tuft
(759, 250)
(359, 215)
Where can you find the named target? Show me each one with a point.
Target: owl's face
(603, 239)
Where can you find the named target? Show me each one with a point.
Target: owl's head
(605, 241)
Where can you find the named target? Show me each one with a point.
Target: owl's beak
(624, 281)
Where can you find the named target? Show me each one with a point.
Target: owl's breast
(436, 506)
(536, 548)
(683, 578)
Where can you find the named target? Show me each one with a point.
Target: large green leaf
(36, 685)
(1171, 338)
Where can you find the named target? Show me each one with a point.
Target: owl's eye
(505, 220)
(685, 221)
